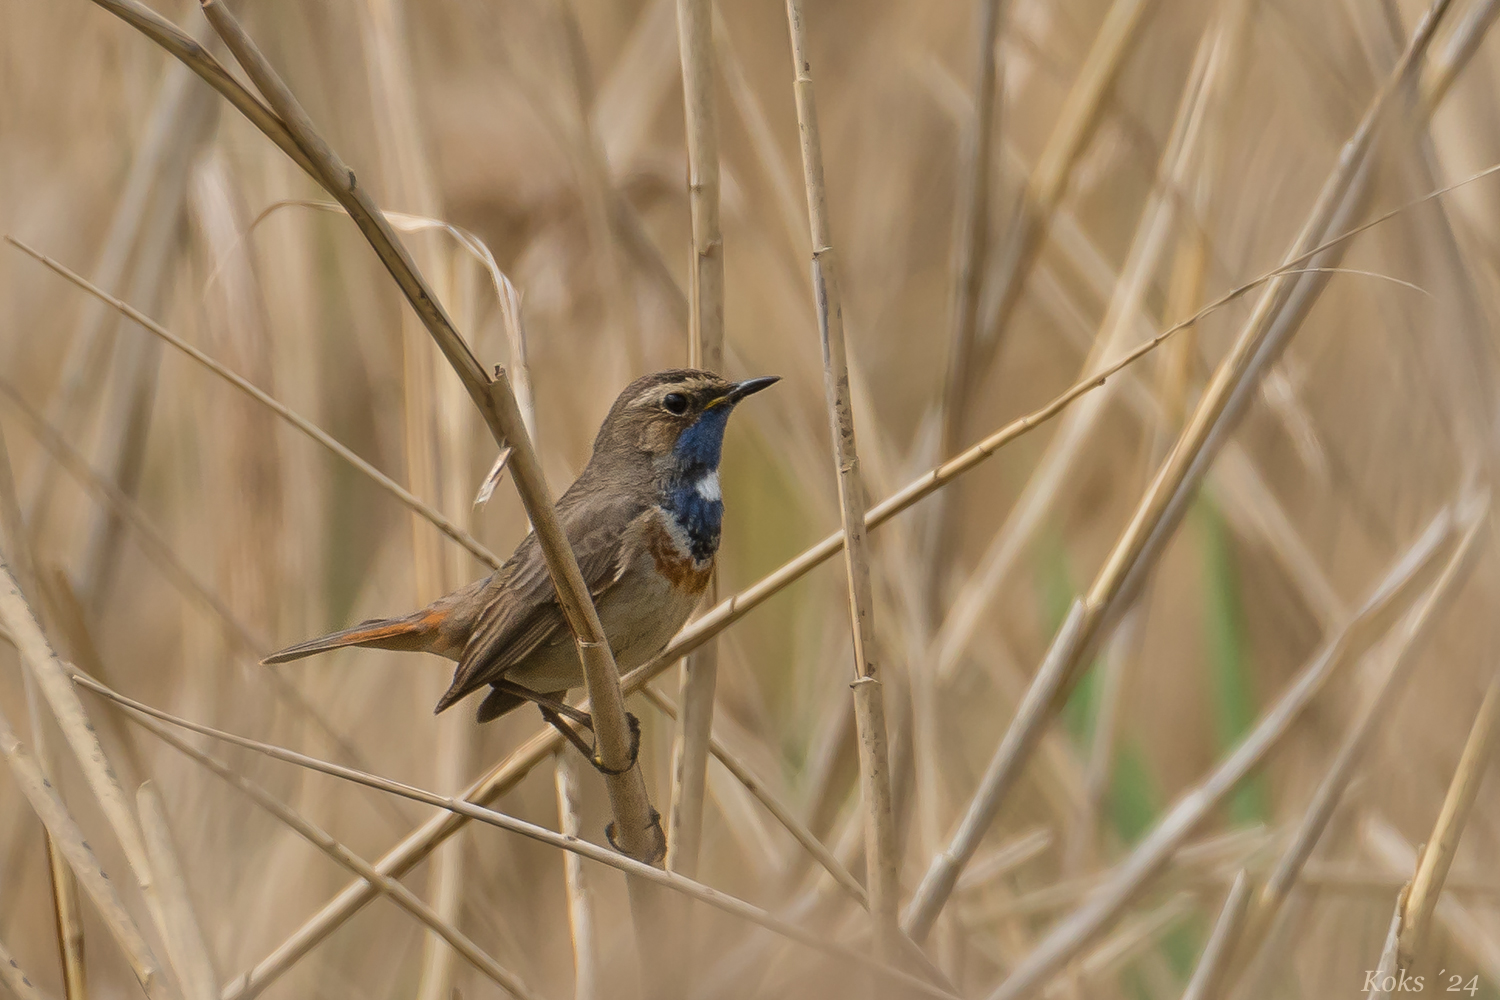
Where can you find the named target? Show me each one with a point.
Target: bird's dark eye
(675, 402)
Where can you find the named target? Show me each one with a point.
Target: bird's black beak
(749, 387)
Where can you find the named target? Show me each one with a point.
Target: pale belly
(640, 614)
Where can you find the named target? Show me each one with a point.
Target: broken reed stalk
(1277, 314)
(613, 859)
(1437, 857)
(187, 951)
(1076, 122)
(91, 878)
(323, 841)
(1409, 643)
(307, 427)
(881, 877)
(65, 900)
(1154, 852)
(690, 745)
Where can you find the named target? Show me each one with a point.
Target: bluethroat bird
(643, 518)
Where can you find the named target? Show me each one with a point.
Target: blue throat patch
(697, 454)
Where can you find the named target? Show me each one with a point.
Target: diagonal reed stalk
(1074, 932)
(91, 878)
(658, 877)
(15, 978)
(65, 899)
(1437, 856)
(1208, 974)
(307, 427)
(690, 745)
(44, 668)
(183, 936)
(881, 876)
(1277, 314)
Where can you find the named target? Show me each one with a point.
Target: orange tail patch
(412, 633)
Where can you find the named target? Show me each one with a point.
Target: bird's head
(676, 417)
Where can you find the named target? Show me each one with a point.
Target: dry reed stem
(1437, 856)
(1156, 848)
(1208, 974)
(613, 859)
(690, 745)
(1408, 645)
(65, 900)
(1277, 314)
(315, 835)
(15, 979)
(587, 980)
(1076, 121)
(307, 427)
(43, 665)
(187, 951)
(881, 879)
(92, 879)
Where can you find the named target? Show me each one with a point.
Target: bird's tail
(411, 633)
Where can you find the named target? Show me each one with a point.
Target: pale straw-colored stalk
(1208, 974)
(183, 934)
(582, 913)
(881, 876)
(1437, 856)
(65, 899)
(15, 978)
(690, 744)
(91, 878)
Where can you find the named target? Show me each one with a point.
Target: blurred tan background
(553, 131)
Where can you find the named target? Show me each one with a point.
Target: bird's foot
(554, 712)
(635, 748)
(658, 840)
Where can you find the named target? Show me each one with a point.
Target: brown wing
(520, 611)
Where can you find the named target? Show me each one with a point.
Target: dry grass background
(553, 130)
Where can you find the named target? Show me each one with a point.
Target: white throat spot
(707, 487)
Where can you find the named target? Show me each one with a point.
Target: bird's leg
(554, 710)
